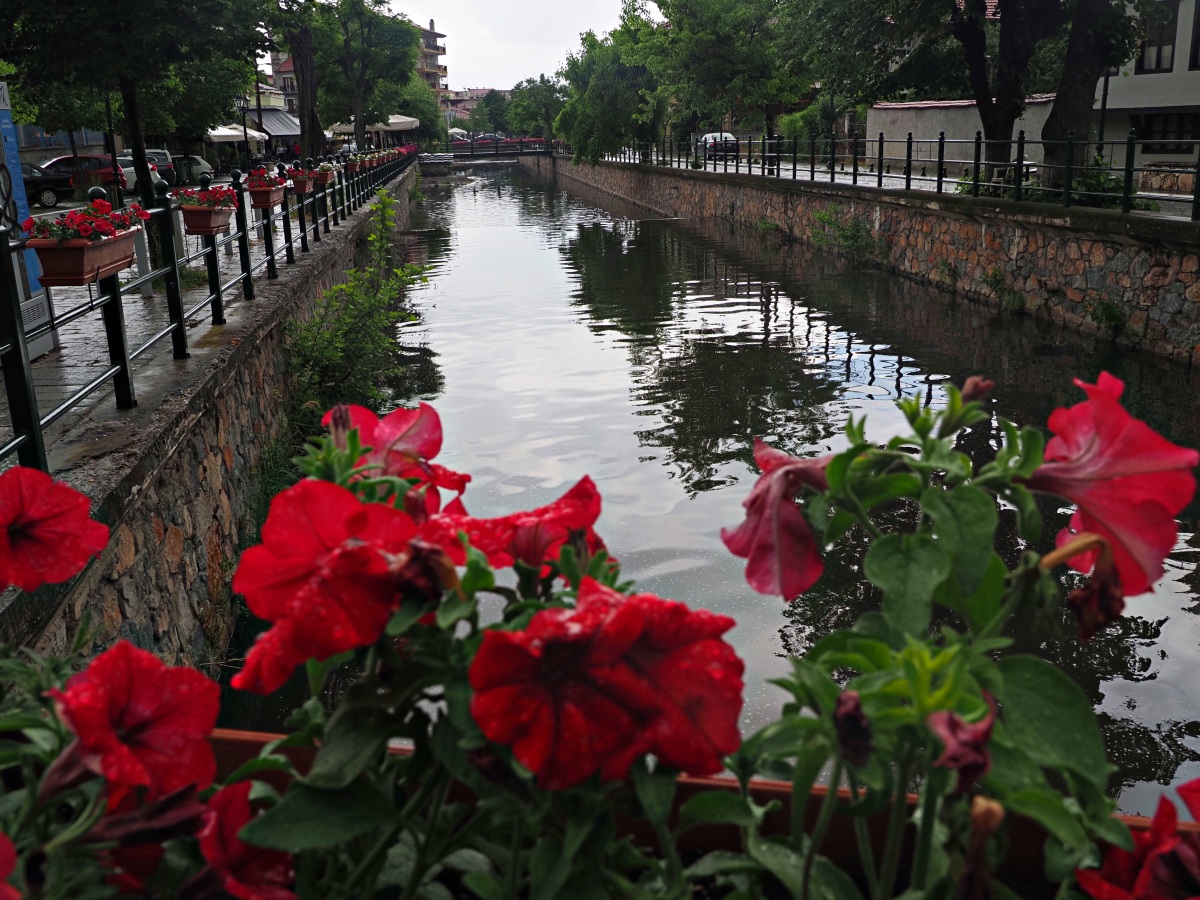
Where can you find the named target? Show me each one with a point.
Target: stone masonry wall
(175, 478)
(1095, 271)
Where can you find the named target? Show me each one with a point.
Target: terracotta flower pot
(353, 167)
(325, 177)
(302, 185)
(78, 262)
(205, 220)
(265, 198)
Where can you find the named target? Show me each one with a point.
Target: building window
(1170, 132)
(1158, 49)
(289, 84)
(291, 106)
(1196, 36)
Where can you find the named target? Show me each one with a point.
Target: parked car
(45, 188)
(95, 168)
(130, 173)
(166, 168)
(488, 138)
(190, 168)
(718, 144)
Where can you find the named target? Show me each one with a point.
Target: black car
(45, 188)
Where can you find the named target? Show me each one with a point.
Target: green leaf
(262, 764)
(355, 737)
(1029, 517)
(965, 521)
(716, 807)
(981, 607)
(655, 791)
(478, 575)
(309, 818)
(1050, 718)
(484, 886)
(549, 868)
(319, 670)
(907, 568)
(455, 608)
(1046, 807)
(467, 860)
(827, 882)
(404, 618)
(720, 862)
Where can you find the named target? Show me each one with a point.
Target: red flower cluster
(261, 179)
(1127, 481)
(141, 723)
(1164, 864)
(590, 689)
(301, 172)
(219, 197)
(8, 865)
(964, 745)
(45, 533)
(245, 871)
(92, 223)
(775, 540)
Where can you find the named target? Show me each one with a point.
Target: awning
(277, 123)
(228, 134)
(394, 123)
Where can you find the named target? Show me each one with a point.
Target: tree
(534, 104)
(66, 109)
(480, 120)
(139, 39)
(717, 58)
(614, 98)
(295, 21)
(418, 100)
(360, 45)
(856, 45)
(496, 105)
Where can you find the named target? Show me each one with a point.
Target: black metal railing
(507, 147)
(316, 211)
(1131, 175)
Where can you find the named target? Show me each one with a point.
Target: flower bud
(339, 426)
(986, 816)
(1101, 601)
(977, 388)
(853, 729)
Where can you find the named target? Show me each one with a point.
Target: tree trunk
(360, 125)
(80, 187)
(304, 61)
(133, 121)
(1088, 49)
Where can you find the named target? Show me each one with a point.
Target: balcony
(434, 48)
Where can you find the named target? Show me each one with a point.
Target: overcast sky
(496, 43)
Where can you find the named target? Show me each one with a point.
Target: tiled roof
(285, 66)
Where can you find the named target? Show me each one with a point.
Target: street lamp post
(243, 104)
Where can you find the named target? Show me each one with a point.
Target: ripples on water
(561, 335)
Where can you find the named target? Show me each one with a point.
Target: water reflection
(575, 336)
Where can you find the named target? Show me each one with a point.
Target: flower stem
(930, 800)
(417, 876)
(514, 859)
(822, 826)
(1081, 543)
(863, 837)
(895, 833)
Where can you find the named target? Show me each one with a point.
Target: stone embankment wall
(175, 479)
(1095, 271)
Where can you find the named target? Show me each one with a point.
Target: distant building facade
(430, 67)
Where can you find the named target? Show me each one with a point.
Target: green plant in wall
(947, 270)
(348, 347)
(1105, 312)
(852, 236)
(1010, 299)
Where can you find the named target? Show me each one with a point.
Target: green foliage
(1106, 313)
(613, 96)
(496, 105)
(417, 99)
(851, 236)
(1010, 299)
(348, 347)
(534, 104)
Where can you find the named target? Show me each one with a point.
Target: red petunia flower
(965, 745)
(775, 540)
(1125, 875)
(141, 723)
(534, 537)
(45, 532)
(1127, 481)
(402, 444)
(328, 575)
(8, 865)
(590, 689)
(246, 872)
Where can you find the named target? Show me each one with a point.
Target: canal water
(562, 334)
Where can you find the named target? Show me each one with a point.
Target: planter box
(353, 167)
(325, 177)
(265, 198)
(78, 262)
(302, 185)
(1022, 871)
(205, 220)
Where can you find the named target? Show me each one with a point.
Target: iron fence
(1121, 175)
(316, 212)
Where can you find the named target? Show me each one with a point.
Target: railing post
(812, 157)
(166, 240)
(978, 160)
(832, 156)
(1127, 189)
(112, 313)
(289, 253)
(941, 160)
(213, 268)
(242, 218)
(795, 154)
(1019, 175)
(854, 158)
(18, 376)
(762, 156)
(879, 164)
(1070, 173)
(313, 208)
(908, 158)
(1196, 187)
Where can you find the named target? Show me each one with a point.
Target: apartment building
(430, 67)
